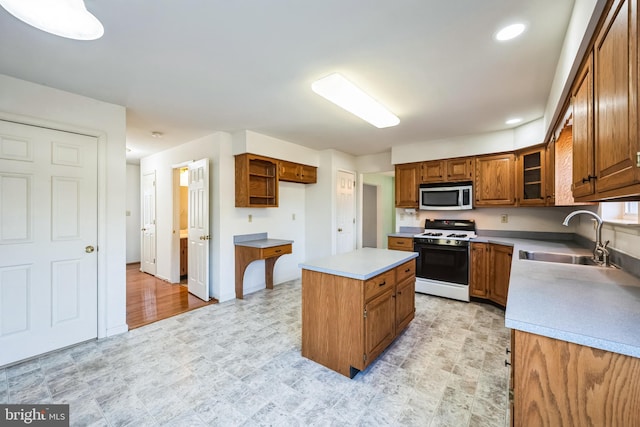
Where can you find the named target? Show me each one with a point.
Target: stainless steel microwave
(447, 196)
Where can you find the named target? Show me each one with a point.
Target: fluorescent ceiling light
(345, 94)
(64, 18)
(510, 32)
(513, 121)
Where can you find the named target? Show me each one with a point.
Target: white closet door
(48, 240)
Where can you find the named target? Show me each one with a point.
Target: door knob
(339, 230)
(89, 249)
(143, 229)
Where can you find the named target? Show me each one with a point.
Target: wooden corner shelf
(256, 181)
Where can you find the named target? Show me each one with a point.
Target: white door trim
(102, 206)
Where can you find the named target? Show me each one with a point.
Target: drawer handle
(407, 270)
(278, 250)
(383, 283)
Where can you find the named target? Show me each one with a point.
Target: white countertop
(593, 306)
(361, 264)
(264, 243)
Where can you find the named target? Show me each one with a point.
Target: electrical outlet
(504, 218)
(250, 218)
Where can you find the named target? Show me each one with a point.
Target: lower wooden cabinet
(347, 323)
(400, 243)
(490, 271)
(557, 383)
(184, 260)
(379, 323)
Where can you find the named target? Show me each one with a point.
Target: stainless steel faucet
(600, 252)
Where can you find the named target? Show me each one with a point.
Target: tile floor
(239, 363)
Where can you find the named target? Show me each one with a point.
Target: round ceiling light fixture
(510, 32)
(64, 18)
(157, 134)
(513, 121)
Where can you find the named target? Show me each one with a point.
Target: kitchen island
(354, 305)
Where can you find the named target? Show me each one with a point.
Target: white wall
(582, 24)
(226, 219)
(528, 134)
(40, 105)
(548, 219)
(252, 142)
(133, 213)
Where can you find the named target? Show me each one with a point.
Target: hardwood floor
(150, 299)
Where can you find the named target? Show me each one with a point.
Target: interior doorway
(369, 216)
(182, 202)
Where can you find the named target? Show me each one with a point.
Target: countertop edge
(579, 339)
(409, 256)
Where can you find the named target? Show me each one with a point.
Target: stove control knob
(448, 241)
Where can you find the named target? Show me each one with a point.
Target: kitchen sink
(559, 258)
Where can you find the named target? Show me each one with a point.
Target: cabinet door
(460, 169)
(405, 303)
(308, 174)
(379, 324)
(550, 171)
(500, 261)
(289, 171)
(479, 270)
(558, 383)
(532, 178)
(494, 183)
(407, 179)
(615, 99)
(433, 171)
(582, 104)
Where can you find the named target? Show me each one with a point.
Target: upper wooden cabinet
(606, 138)
(447, 170)
(550, 172)
(532, 177)
(494, 183)
(296, 172)
(407, 181)
(583, 151)
(256, 181)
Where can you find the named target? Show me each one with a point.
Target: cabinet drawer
(276, 251)
(405, 270)
(379, 284)
(400, 243)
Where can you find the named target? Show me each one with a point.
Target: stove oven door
(442, 263)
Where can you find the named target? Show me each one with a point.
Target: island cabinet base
(557, 383)
(347, 323)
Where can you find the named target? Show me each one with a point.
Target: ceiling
(189, 68)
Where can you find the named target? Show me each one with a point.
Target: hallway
(150, 299)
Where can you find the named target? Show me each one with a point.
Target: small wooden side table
(252, 250)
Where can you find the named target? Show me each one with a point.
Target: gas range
(447, 232)
(442, 266)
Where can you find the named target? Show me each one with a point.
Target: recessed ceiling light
(64, 18)
(510, 32)
(513, 121)
(157, 134)
(345, 94)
